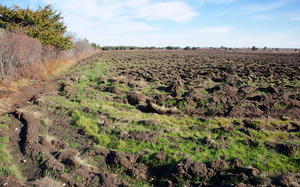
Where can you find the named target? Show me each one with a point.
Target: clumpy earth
(157, 118)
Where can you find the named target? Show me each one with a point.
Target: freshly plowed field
(161, 118)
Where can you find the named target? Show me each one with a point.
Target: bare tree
(20, 56)
(82, 47)
(73, 36)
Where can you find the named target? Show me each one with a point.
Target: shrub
(171, 47)
(19, 57)
(94, 45)
(82, 47)
(254, 48)
(49, 52)
(187, 48)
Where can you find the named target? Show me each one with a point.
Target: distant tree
(132, 48)
(254, 48)
(72, 35)
(82, 46)
(187, 48)
(172, 47)
(45, 24)
(94, 45)
(225, 48)
(265, 48)
(105, 48)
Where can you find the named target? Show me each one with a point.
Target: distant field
(162, 118)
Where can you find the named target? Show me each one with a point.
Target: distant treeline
(105, 48)
(253, 48)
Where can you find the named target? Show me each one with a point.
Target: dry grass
(5, 104)
(58, 65)
(50, 138)
(55, 66)
(15, 85)
(50, 68)
(37, 115)
(46, 181)
(83, 162)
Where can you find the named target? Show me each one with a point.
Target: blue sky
(201, 23)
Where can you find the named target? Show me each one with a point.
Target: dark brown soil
(226, 84)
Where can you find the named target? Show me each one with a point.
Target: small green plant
(186, 105)
(280, 106)
(7, 168)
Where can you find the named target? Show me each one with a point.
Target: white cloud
(214, 30)
(262, 7)
(293, 29)
(288, 16)
(217, 1)
(295, 18)
(291, 16)
(120, 16)
(264, 17)
(135, 3)
(224, 13)
(201, 2)
(177, 11)
(174, 11)
(128, 26)
(50, 1)
(96, 17)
